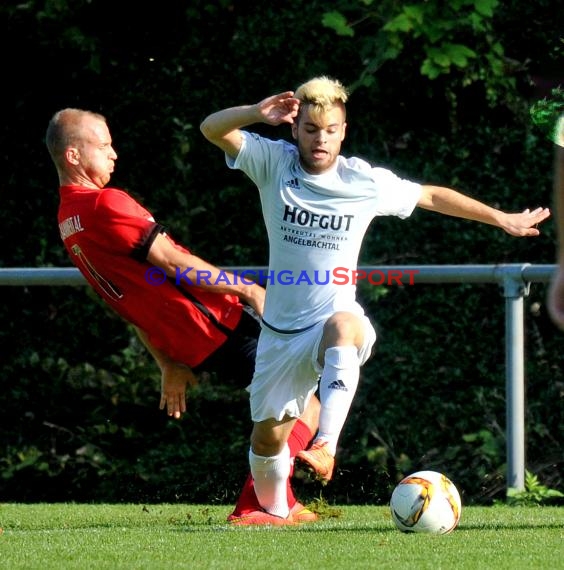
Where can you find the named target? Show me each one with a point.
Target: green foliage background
(79, 395)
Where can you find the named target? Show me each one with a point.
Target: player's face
(319, 138)
(95, 154)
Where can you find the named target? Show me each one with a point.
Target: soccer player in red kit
(191, 316)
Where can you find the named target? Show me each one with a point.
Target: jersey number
(107, 287)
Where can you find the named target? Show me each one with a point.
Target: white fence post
(514, 290)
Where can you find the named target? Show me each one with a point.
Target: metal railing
(513, 278)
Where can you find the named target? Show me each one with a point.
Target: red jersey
(107, 235)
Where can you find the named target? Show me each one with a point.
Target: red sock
(299, 439)
(248, 501)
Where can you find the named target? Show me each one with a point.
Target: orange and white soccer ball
(426, 501)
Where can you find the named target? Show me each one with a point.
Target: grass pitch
(155, 537)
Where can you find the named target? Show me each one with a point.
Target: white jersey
(315, 225)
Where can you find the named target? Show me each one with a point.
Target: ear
(72, 155)
(295, 130)
(343, 132)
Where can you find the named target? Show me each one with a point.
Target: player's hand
(254, 296)
(555, 299)
(278, 109)
(525, 223)
(175, 378)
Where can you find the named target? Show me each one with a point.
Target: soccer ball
(426, 501)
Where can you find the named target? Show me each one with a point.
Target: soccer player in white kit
(317, 206)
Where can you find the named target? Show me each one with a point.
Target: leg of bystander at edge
(343, 336)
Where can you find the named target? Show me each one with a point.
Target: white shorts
(287, 371)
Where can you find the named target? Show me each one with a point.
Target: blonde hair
(321, 94)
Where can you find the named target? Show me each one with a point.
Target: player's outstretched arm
(452, 203)
(194, 271)
(222, 128)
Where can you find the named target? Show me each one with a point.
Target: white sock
(337, 388)
(270, 476)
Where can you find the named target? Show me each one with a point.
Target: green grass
(155, 537)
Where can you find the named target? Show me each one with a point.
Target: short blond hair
(322, 93)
